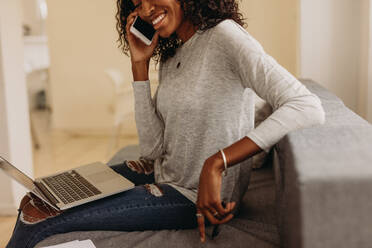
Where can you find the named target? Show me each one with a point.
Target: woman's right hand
(139, 51)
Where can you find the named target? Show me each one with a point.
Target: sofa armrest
(324, 177)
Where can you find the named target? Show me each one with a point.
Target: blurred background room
(65, 87)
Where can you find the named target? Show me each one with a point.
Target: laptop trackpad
(102, 176)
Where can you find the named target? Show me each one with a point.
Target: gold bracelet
(224, 173)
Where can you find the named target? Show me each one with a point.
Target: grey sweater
(206, 103)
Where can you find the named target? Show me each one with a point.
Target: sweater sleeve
(294, 106)
(150, 126)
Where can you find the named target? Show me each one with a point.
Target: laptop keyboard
(71, 186)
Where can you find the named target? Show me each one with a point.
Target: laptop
(73, 187)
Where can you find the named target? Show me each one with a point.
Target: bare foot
(34, 210)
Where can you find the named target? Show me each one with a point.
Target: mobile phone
(143, 30)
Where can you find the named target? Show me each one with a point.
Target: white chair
(121, 111)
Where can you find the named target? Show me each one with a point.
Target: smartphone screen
(145, 28)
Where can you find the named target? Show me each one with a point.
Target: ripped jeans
(137, 209)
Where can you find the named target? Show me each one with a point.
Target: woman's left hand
(209, 195)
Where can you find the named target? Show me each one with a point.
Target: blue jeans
(133, 210)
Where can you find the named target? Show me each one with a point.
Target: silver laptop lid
(18, 175)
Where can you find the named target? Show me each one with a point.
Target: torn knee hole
(141, 166)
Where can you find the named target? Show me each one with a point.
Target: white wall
(7, 203)
(364, 58)
(31, 16)
(330, 41)
(15, 144)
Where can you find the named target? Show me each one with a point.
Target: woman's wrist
(140, 70)
(218, 164)
(234, 154)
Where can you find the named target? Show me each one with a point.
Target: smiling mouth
(158, 20)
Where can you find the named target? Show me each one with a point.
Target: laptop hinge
(46, 192)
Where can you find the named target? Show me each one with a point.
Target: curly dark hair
(203, 14)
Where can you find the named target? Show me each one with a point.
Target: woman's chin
(164, 34)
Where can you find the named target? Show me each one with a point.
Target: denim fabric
(134, 210)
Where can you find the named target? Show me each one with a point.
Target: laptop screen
(16, 174)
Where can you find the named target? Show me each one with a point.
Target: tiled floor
(60, 151)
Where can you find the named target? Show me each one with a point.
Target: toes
(24, 201)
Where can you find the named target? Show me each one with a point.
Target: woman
(198, 126)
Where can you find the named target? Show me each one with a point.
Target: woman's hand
(139, 51)
(209, 195)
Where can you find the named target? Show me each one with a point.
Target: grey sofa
(314, 191)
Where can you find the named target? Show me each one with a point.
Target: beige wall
(368, 101)
(82, 44)
(275, 25)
